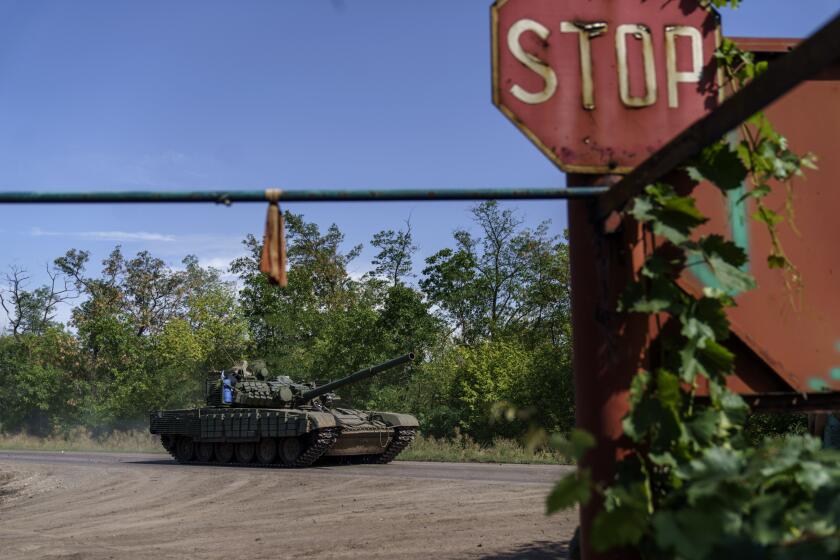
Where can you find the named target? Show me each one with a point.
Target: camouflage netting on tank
(352, 420)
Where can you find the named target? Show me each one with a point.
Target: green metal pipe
(228, 197)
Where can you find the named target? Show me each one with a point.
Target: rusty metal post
(608, 347)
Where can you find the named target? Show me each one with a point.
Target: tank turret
(241, 387)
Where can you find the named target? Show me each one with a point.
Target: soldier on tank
(227, 388)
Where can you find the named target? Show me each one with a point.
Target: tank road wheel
(204, 452)
(266, 451)
(289, 450)
(224, 452)
(245, 452)
(184, 450)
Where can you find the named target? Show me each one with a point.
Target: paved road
(98, 506)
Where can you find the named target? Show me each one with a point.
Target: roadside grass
(463, 449)
(131, 441)
(460, 449)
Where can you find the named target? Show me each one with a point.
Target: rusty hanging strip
(784, 74)
(273, 257)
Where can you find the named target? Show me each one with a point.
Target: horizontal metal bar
(228, 197)
(806, 60)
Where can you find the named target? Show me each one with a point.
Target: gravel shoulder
(103, 506)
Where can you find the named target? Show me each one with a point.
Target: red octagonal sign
(600, 85)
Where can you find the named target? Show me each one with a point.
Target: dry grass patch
(463, 449)
(133, 441)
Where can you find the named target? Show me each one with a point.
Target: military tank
(252, 419)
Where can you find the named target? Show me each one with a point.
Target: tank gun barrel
(353, 377)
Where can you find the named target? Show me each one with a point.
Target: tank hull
(281, 437)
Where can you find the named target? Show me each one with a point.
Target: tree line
(488, 317)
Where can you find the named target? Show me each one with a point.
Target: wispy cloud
(119, 236)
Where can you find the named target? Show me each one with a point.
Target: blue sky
(253, 94)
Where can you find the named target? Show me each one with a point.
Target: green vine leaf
(726, 251)
(653, 297)
(714, 465)
(623, 526)
(672, 216)
(725, 260)
(768, 217)
(692, 534)
(715, 360)
(689, 486)
(576, 445)
(812, 476)
(723, 3)
(705, 319)
(721, 165)
(777, 261)
(575, 488)
(705, 426)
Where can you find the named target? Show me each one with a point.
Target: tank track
(402, 439)
(171, 450)
(323, 440)
(170, 447)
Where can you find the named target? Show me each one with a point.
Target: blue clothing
(227, 389)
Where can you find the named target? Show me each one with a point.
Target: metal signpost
(600, 87)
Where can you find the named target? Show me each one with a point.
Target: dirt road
(99, 506)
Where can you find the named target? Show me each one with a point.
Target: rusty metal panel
(790, 331)
(601, 86)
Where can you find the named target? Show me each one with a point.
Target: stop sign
(600, 85)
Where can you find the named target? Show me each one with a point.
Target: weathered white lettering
(533, 63)
(674, 76)
(586, 32)
(638, 31)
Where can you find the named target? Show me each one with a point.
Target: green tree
(290, 326)
(325, 324)
(482, 376)
(504, 292)
(32, 311)
(452, 284)
(393, 261)
(148, 333)
(508, 277)
(40, 391)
